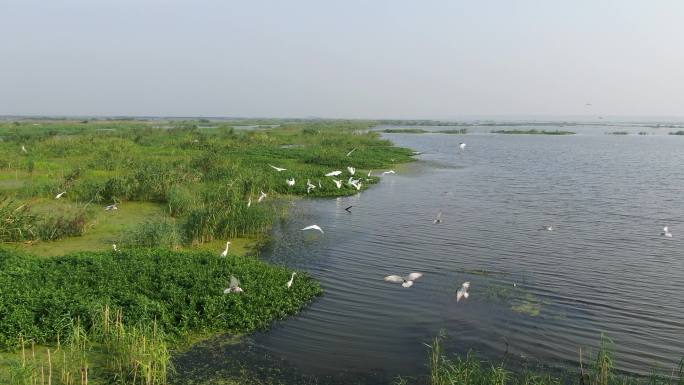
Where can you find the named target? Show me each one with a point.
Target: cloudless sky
(351, 58)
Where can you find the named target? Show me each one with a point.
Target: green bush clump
(42, 298)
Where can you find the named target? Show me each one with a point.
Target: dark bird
(348, 209)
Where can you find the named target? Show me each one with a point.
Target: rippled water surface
(537, 295)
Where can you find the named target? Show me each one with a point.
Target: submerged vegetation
(532, 131)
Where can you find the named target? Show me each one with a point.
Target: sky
(425, 59)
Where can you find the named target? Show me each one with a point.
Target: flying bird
(405, 281)
(334, 173)
(262, 196)
(338, 183)
(462, 292)
(350, 152)
(279, 169)
(313, 227)
(666, 232)
(111, 207)
(234, 286)
(348, 209)
(356, 184)
(290, 182)
(547, 228)
(351, 170)
(462, 146)
(60, 195)
(438, 219)
(309, 186)
(388, 172)
(225, 252)
(289, 283)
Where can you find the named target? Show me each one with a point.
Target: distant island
(680, 132)
(533, 132)
(461, 131)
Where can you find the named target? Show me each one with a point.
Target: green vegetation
(600, 370)
(533, 132)
(618, 133)
(680, 132)
(461, 131)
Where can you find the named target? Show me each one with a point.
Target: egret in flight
(357, 184)
(462, 292)
(234, 286)
(438, 219)
(351, 170)
(225, 252)
(334, 173)
(313, 227)
(289, 283)
(291, 182)
(666, 232)
(338, 183)
(60, 195)
(462, 146)
(262, 196)
(405, 281)
(279, 169)
(388, 172)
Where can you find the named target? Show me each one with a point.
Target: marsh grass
(533, 131)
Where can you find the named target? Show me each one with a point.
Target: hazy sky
(357, 59)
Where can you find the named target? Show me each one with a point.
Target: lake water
(536, 296)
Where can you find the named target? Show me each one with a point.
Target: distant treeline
(461, 131)
(533, 132)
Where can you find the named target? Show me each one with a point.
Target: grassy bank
(596, 368)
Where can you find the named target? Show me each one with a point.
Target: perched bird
(290, 182)
(60, 195)
(111, 207)
(369, 173)
(249, 202)
(289, 283)
(351, 170)
(334, 173)
(547, 228)
(438, 219)
(313, 227)
(23, 149)
(319, 184)
(234, 286)
(348, 209)
(350, 152)
(116, 250)
(279, 169)
(666, 232)
(462, 292)
(309, 186)
(388, 172)
(338, 183)
(225, 252)
(462, 146)
(405, 281)
(262, 196)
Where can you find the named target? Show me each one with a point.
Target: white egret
(389, 172)
(351, 170)
(462, 146)
(338, 183)
(462, 292)
(369, 173)
(350, 152)
(289, 283)
(60, 195)
(116, 250)
(225, 252)
(23, 149)
(290, 182)
(547, 228)
(309, 186)
(234, 286)
(666, 232)
(313, 227)
(279, 169)
(438, 219)
(262, 196)
(334, 173)
(405, 281)
(319, 184)
(111, 207)
(249, 202)
(356, 184)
